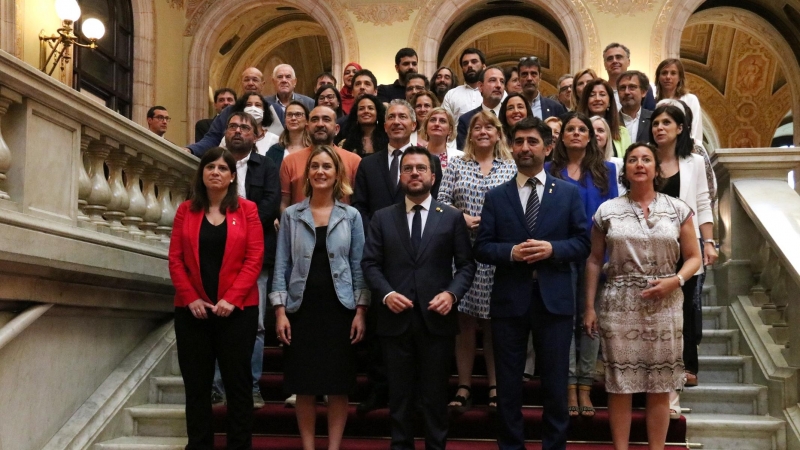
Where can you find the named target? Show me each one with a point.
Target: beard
(318, 138)
(472, 77)
(240, 146)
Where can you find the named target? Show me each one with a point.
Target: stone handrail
(758, 275)
(74, 172)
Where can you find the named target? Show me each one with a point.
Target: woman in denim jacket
(320, 296)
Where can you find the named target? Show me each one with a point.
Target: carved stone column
(138, 204)
(120, 202)
(100, 197)
(84, 183)
(164, 229)
(152, 207)
(7, 97)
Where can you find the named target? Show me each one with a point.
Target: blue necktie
(416, 228)
(532, 208)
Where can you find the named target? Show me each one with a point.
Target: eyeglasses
(329, 97)
(235, 126)
(529, 58)
(296, 115)
(163, 118)
(420, 168)
(627, 87)
(565, 88)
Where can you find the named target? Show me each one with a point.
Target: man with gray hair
(617, 59)
(284, 80)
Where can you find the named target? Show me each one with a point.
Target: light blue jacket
(296, 240)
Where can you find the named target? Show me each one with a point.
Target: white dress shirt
(495, 110)
(241, 173)
(390, 157)
(632, 123)
(426, 205)
(536, 106)
(461, 100)
(525, 189)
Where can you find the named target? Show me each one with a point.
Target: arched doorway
(262, 34)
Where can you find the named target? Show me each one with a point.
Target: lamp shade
(93, 29)
(68, 10)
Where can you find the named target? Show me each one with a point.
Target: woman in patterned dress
(640, 321)
(487, 163)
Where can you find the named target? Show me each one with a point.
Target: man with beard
(322, 128)
(409, 256)
(466, 97)
(493, 83)
(532, 227)
(405, 62)
(257, 180)
(530, 70)
(631, 86)
(443, 80)
(377, 186)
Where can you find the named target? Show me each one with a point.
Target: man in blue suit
(531, 229)
(530, 74)
(284, 80)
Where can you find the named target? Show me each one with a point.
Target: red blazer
(241, 265)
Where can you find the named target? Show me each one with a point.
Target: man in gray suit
(632, 86)
(285, 80)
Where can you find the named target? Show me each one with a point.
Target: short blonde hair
(501, 150)
(608, 150)
(342, 185)
(423, 131)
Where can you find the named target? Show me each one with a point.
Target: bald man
(284, 80)
(252, 80)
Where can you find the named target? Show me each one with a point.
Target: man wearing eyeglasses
(258, 181)
(617, 59)
(409, 255)
(564, 95)
(530, 72)
(632, 86)
(157, 120)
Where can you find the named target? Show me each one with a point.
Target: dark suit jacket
(643, 133)
(649, 100)
(390, 264)
(374, 190)
(262, 186)
(273, 100)
(201, 128)
(561, 221)
(463, 124)
(551, 108)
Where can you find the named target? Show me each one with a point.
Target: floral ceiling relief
(623, 7)
(381, 13)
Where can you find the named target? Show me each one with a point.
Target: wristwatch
(680, 279)
(710, 241)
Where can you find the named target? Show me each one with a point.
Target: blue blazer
(561, 221)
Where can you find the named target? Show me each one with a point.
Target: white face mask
(256, 112)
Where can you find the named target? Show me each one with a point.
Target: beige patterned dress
(642, 340)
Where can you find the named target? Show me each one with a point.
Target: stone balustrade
(67, 159)
(758, 274)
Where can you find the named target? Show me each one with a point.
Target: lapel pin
(234, 221)
(550, 191)
(438, 209)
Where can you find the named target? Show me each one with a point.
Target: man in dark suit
(284, 80)
(631, 86)
(378, 186)
(222, 98)
(258, 181)
(493, 85)
(617, 59)
(408, 258)
(530, 71)
(531, 229)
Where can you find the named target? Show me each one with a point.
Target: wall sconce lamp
(58, 45)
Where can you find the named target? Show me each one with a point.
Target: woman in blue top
(319, 295)
(578, 159)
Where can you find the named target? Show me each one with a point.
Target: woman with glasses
(253, 103)
(327, 95)
(486, 163)
(294, 136)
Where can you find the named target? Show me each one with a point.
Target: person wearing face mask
(252, 103)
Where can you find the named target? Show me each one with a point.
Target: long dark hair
(353, 139)
(611, 114)
(266, 120)
(593, 162)
(504, 107)
(199, 197)
(324, 87)
(684, 143)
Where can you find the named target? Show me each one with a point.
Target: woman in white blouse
(671, 83)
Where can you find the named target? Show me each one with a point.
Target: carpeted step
(477, 423)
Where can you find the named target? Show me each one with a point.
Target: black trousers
(376, 366)
(230, 341)
(691, 339)
(418, 363)
(551, 337)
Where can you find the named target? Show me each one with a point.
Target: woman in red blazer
(215, 256)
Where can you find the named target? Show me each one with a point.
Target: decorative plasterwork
(383, 14)
(623, 7)
(435, 16)
(175, 4)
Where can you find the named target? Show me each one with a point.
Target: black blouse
(212, 250)
(673, 186)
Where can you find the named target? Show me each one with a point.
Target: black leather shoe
(376, 400)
